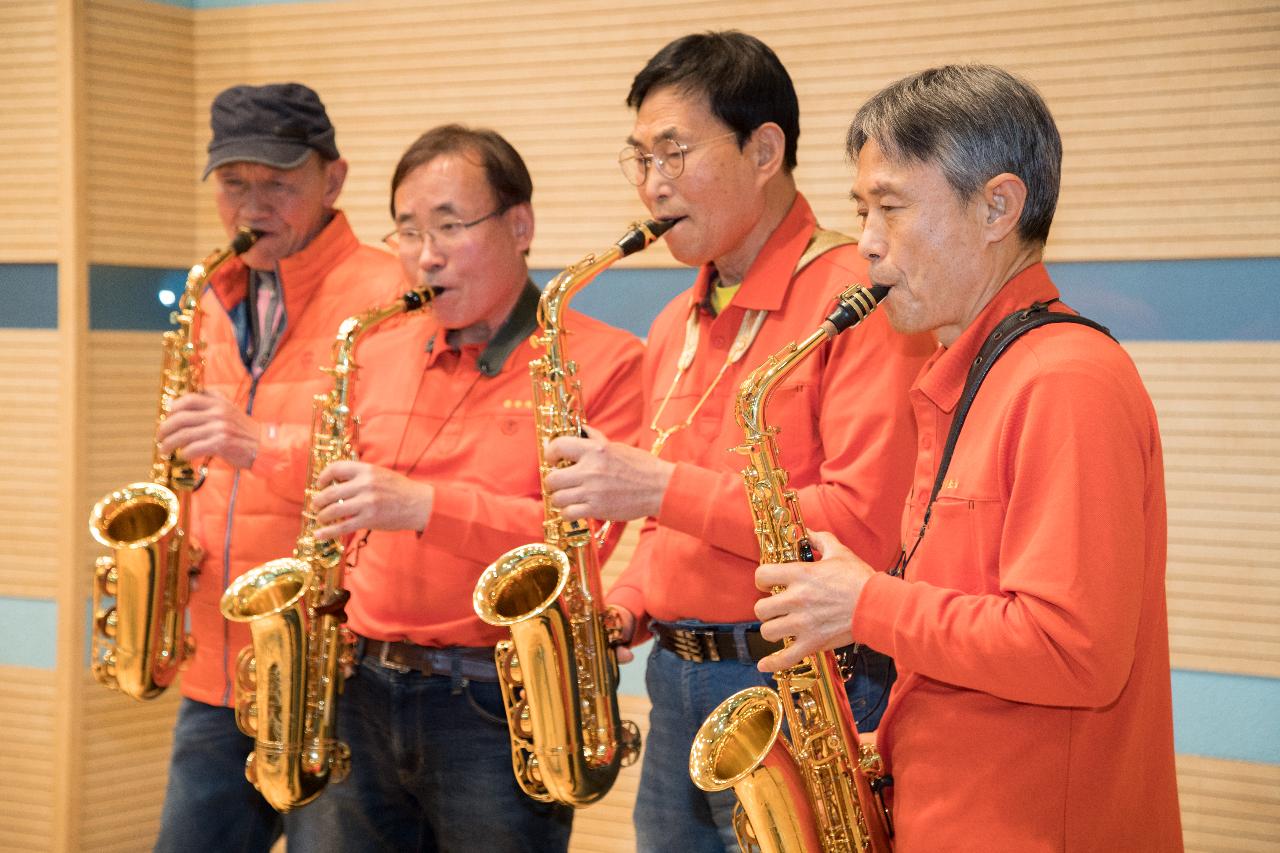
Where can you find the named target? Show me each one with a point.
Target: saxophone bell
(288, 681)
(140, 642)
(813, 793)
(558, 673)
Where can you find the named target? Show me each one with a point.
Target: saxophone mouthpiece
(415, 299)
(852, 307)
(644, 233)
(244, 239)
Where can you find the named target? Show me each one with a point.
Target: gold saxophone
(815, 793)
(140, 643)
(288, 680)
(559, 675)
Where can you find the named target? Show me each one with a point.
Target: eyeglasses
(446, 233)
(667, 157)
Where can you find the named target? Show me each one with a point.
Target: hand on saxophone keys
(207, 424)
(620, 627)
(814, 604)
(356, 496)
(608, 480)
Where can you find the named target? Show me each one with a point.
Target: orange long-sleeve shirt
(433, 415)
(1032, 710)
(846, 435)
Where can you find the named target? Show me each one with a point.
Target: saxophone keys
(339, 762)
(107, 623)
(106, 575)
(629, 743)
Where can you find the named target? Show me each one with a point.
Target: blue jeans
(430, 771)
(208, 804)
(671, 813)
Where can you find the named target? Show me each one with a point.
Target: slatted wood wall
(27, 702)
(1170, 113)
(126, 753)
(1228, 806)
(1168, 107)
(139, 70)
(28, 504)
(1218, 405)
(28, 132)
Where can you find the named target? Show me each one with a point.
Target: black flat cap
(277, 125)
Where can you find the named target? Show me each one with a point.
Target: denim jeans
(208, 804)
(430, 771)
(671, 813)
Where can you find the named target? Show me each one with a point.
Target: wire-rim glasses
(667, 157)
(407, 235)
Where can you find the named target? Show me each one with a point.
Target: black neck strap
(1005, 333)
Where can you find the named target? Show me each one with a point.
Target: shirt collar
(943, 376)
(776, 262)
(520, 323)
(299, 275)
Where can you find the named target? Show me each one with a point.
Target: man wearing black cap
(270, 317)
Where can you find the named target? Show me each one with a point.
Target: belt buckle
(390, 664)
(696, 644)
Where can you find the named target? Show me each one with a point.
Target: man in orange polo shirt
(448, 481)
(714, 146)
(1027, 617)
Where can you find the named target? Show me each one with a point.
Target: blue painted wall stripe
(1215, 714)
(1231, 299)
(28, 632)
(28, 296)
(129, 298)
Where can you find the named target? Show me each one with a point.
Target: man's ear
(769, 146)
(520, 218)
(335, 175)
(1003, 197)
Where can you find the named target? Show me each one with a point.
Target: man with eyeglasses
(269, 319)
(447, 481)
(713, 147)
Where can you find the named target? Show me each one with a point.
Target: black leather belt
(472, 662)
(710, 644)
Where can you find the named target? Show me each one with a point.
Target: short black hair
(504, 168)
(741, 77)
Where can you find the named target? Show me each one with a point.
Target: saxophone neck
(853, 305)
(756, 389)
(557, 293)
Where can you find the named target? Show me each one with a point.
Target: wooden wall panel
(29, 503)
(1218, 404)
(1169, 110)
(126, 743)
(125, 762)
(27, 701)
(1228, 806)
(142, 170)
(606, 827)
(28, 133)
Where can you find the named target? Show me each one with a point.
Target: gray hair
(973, 122)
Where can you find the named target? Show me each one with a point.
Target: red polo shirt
(1032, 709)
(428, 411)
